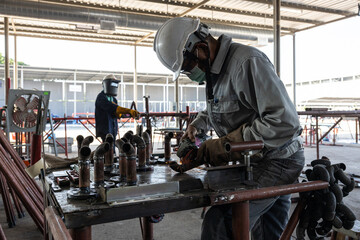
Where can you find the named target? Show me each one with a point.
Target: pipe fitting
(122, 159)
(99, 163)
(109, 155)
(87, 141)
(131, 178)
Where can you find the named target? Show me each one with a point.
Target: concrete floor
(186, 225)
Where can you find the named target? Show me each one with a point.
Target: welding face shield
(110, 85)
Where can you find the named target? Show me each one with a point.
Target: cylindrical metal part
(240, 220)
(99, 171)
(142, 157)
(84, 176)
(122, 159)
(167, 146)
(79, 140)
(56, 225)
(109, 155)
(122, 166)
(147, 140)
(289, 229)
(243, 146)
(131, 178)
(266, 192)
(87, 141)
(141, 145)
(84, 169)
(129, 135)
(148, 228)
(150, 143)
(99, 163)
(83, 233)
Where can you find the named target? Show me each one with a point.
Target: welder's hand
(135, 114)
(189, 133)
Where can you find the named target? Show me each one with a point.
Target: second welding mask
(110, 85)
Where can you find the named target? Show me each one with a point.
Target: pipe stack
(13, 169)
(325, 208)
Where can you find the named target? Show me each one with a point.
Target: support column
(135, 77)
(276, 4)
(294, 69)
(167, 94)
(15, 69)
(7, 68)
(176, 89)
(22, 77)
(122, 92)
(75, 93)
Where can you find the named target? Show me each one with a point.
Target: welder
(107, 111)
(246, 101)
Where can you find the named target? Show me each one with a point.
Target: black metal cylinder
(167, 143)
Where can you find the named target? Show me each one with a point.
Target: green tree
(11, 61)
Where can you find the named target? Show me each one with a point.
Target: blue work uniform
(105, 115)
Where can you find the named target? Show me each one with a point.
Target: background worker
(246, 101)
(106, 109)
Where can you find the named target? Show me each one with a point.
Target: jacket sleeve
(201, 122)
(261, 90)
(106, 105)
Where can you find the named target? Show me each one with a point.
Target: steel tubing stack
(13, 169)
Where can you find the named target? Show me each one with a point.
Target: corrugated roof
(296, 15)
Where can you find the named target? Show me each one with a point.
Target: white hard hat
(171, 38)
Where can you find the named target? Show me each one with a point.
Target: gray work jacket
(247, 89)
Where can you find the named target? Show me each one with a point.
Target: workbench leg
(240, 220)
(83, 233)
(147, 229)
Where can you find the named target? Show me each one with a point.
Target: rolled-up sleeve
(261, 90)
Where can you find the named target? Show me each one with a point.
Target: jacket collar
(225, 42)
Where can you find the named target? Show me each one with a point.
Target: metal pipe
(141, 150)
(122, 159)
(243, 146)
(56, 225)
(79, 140)
(167, 145)
(7, 66)
(128, 135)
(131, 178)
(99, 163)
(83, 233)
(266, 192)
(147, 140)
(84, 169)
(25, 197)
(109, 155)
(150, 143)
(21, 179)
(2, 234)
(147, 228)
(240, 220)
(87, 141)
(289, 229)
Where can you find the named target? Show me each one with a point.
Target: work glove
(121, 110)
(213, 152)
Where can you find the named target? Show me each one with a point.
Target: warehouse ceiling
(132, 22)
